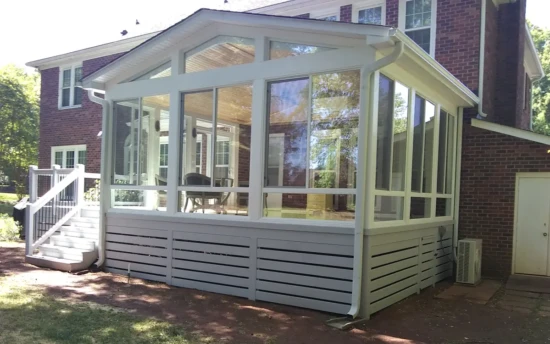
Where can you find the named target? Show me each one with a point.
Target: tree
(19, 118)
(541, 89)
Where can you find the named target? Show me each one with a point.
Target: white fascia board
(90, 53)
(204, 18)
(297, 7)
(511, 131)
(531, 60)
(433, 67)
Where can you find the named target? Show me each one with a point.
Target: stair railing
(46, 214)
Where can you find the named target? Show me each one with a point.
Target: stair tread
(75, 239)
(65, 249)
(55, 259)
(91, 229)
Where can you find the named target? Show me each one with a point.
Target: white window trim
(65, 149)
(433, 26)
(365, 5)
(72, 67)
(328, 12)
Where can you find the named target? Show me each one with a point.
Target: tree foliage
(19, 118)
(541, 89)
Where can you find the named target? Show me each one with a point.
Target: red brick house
(462, 73)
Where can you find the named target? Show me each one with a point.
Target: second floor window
(370, 15)
(419, 22)
(70, 93)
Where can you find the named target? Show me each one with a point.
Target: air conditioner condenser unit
(468, 270)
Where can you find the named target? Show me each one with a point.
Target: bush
(9, 229)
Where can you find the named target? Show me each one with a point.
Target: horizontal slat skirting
(443, 275)
(443, 260)
(340, 250)
(426, 274)
(153, 251)
(308, 258)
(345, 274)
(303, 302)
(325, 283)
(136, 267)
(200, 247)
(394, 257)
(393, 247)
(211, 258)
(444, 251)
(428, 247)
(377, 306)
(212, 238)
(389, 279)
(137, 275)
(210, 278)
(136, 258)
(210, 287)
(211, 268)
(426, 283)
(384, 292)
(300, 291)
(138, 231)
(391, 268)
(443, 267)
(137, 240)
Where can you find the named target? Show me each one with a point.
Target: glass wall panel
(445, 153)
(233, 131)
(443, 207)
(333, 130)
(279, 50)
(310, 206)
(126, 139)
(198, 113)
(400, 124)
(155, 120)
(214, 202)
(429, 143)
(287, 128)
(420, 207)
(139, 199)
(219, 52)
(388, 208)
(384, 141)
(161, 71)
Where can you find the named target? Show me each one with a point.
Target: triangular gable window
(219, 52)
(161, 71)
(279, 50)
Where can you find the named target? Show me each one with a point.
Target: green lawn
(28, 316)
(8, 197)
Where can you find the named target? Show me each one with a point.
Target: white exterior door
(532, 224)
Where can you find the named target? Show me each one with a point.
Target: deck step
(73, 242)
(80, 232)
(90, 212)
(50, 250)
(88, 222)
(68, 265)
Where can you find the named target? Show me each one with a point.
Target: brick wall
(70, 126)
(345, 13)
(392, 13)
(490, 162)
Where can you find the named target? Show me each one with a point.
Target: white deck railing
(64, 198)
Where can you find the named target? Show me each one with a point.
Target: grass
(8, 197)
(6, 208)
(28, 316)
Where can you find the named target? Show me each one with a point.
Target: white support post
(55, 180)
(174, 147)
(257, 150)
(29, 223)
(33, 183)
(80, 185)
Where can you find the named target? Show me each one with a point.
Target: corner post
(55, 180)
(33, 183)
(29, 223)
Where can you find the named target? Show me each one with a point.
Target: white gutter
(366, 72)
(458, 168)
(482, 58)
(104, 190)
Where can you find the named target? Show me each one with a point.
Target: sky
(36, 29)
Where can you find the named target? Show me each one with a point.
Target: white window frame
(71, 105)
(64, 150)
(365, 5)
(329, 12)
(433, 26)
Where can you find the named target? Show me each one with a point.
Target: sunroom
(288, 160)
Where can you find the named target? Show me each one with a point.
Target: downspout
(103, 185)
(481, 73)
(367, 72)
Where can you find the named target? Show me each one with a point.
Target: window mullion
(259, 140)
(71, 87)
(392, 137)
(213, 150)
(409, 154)
(138, 147)
(308, 139)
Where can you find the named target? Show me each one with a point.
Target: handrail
(88, 175)
(48, 196)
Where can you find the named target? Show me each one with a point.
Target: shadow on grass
(29, 316)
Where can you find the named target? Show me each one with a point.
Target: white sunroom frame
(360, 47)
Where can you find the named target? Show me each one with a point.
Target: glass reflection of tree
(334, 123)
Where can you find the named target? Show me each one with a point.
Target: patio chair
(199, 198)
(161, 181)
